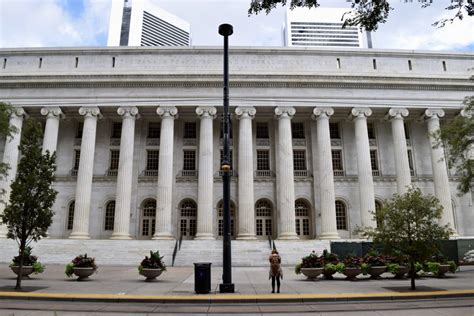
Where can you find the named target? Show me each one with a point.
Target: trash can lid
(202, 263)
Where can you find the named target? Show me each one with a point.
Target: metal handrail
(269, 241)
(180, 240)
(175, 251)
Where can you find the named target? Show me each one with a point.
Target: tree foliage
(29, 211)
(457, 136)
(5, 131)
(410, 228)
(367, 14)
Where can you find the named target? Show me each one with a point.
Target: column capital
(128, 111)
(431, 114)
(167, 111)
(206, 111)
(361, 112)
(285, 111)
(18, 112)
(89, 111)
(397, 113)
(244, 112)
(322, 112)
(52, 112)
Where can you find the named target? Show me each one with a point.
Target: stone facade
(319, 137)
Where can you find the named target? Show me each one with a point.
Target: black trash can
(202, 277)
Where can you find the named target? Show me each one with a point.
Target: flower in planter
(81, 261)
(310, 261)
(28, 261)
(152, 262)
(352, 261)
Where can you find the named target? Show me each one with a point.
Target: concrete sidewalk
(123, 283)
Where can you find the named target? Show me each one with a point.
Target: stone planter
(83, 273)
(25, 271)
(150, 274)
(376, 271)
(402, 271)
(328, 274)
(312, 273)
(443, 269)
(351, 273)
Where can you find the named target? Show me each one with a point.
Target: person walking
(275, 270)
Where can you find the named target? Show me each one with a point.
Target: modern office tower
(322, 27)
(142, 23)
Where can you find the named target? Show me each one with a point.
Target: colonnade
(284, 168)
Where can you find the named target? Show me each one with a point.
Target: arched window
(148, 218)
(220, 215)
(341, 215)
(70, 215)
(302, 218)
(378, 207)
(263, 218)
(109, 216)
(188, 218)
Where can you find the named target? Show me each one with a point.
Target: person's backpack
(275, 263)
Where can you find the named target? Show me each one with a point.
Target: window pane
(297, 130)
(77, 156)
(262, 130)
(116, 130)
(334, 130)
(299, 160)
(371, 130)
(189, 160)
(152, 159)
(114, 159)
(153, 130)
(341, 219)
(263, 160)
(80, 128)
(189, 130)
(373, 160)
(70, 215)
(337, 160)
(109, 216)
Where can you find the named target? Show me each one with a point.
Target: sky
(65, 23)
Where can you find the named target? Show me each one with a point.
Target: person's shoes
(273, 291)
(278, 291)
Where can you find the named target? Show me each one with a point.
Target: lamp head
(226, 29)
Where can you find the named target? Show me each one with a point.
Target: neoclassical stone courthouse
(319, 137)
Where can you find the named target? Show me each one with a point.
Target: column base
(120, 236)
(329, 235)
(288, 236)
(204, 236)
(162, 236)
(79, 236)
(246, 236)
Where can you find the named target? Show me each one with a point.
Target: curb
(237, 298)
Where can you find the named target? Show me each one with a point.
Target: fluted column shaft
(366, 182)
(400, 149)
(286, 187)
(50, 140)
(245, 188)
(326, 174)
(80, 229)
(125, 172)
(440, 171)
(164, 195)
(10, 158)
(205, 227)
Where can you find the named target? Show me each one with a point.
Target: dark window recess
(407, 131)
(299, 160)
(263, 160)
(297, 130)
(113, 62)
(116, 130)
(189, 160)
(77, 62)
(373, 160)
(374, 63)
(338, 61)
(77, 157)
(40, 62)
(153, 130)
(409, 65)
(334, 131)
(444, 66)
(262, 130)
(371, 131)
(114, 159)
(79, 130)
(152, 159)
(109, 216)
(189, 130)
(337, 160)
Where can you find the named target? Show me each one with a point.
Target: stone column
(50, 140)
(80, 228)
(326, 174)
(245, 161)
(125, 171)
(164, 197)
(468, 114)
(366, 182)
(440, 171)
(10, 158)
(205, 227)
(400, 148)
(286, 187)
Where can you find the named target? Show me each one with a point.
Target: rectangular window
(189, 160)
(374, 63)
(116, 130)
(189, 130)
(407, 131)
(409, 65)
(153, 130)
(77, 156)
(305, 227)
(371, 130)
(297, 130)
(334, 131)
(230, 156)
(337, 160)
(259, 227)
(114, 159)
(152, 159)
(299, 159)
(444, 66)
(373, 160)
(80, 128)
(268, 227)
(263, 160)
(262, 131)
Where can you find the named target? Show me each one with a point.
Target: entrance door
(263, 219)
(302, 219)
(220, 222)
(188, 219)
(148, 221)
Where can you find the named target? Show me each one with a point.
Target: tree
(410, 228)
(457, 137)
(29, 211)
(367, 14)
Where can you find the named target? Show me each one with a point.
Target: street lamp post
(226, 286)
